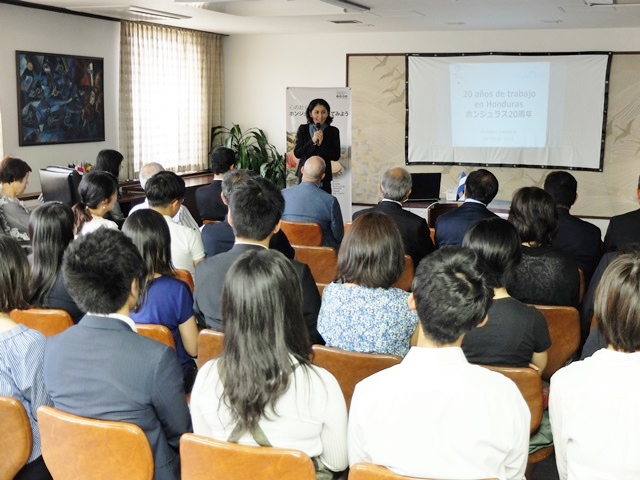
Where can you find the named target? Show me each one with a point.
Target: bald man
(395, 188)
(183, 216)
(307, 202)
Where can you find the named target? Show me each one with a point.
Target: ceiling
(316, 16)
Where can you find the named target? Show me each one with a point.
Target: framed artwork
(60, 98)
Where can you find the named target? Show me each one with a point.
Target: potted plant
(253, 151)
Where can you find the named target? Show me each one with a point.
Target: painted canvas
(60, 98)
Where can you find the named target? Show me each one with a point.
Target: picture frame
(60, 98)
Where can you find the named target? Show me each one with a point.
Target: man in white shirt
(165, 193)
(435, 415)
(183, 217)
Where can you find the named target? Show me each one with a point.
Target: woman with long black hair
(263, 390)
(164, 299)
(51, 230)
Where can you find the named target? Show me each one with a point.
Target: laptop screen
(426, 187)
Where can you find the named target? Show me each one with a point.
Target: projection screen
(520, 110)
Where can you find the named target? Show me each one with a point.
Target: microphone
(319, 126)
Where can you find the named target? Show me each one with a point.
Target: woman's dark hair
(94, 187)
(149, 232)
(372, 252)
(263, 327)
(14, 275)
(13, 169)
(497, 243)
(617, 303)
(51, 231)
(312, 105)
(533, 213)
(109, 161)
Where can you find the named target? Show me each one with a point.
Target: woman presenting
(318, 137)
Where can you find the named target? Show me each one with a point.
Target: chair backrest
(185, 276)
(302, 233)
(204, 458)
(351, 367)
(564, 330)
(159, 333)
(322, 261)
(406, 279)
(369, 471)
(48, 321)
(529, 383)
(60, 184)
(76, 447)
(210, 344)
(15, 439)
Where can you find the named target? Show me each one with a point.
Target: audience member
(183, 217)
(363, 312)
(623, 229)
(480, 188)
(592, 403)
(395, 188)
(164, 299)
(516, 334)
(101, 368)
(165, 194)
(219, 237)
(262, 389)
(545, 276)
(255, 211)
(435, 415)
(307, 202)
(98, 192)
(51, 231)
(574, 237)
(111, 161)
(14, 215)
(208, 198)
(21, 352)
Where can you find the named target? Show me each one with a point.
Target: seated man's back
(307, 202)
(101, 368)
(435, 415)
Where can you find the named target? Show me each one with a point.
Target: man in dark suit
(101, 368)
(575, 237)
(623, 229)
(210, 205)
(219, 237)
(480, 189)
(255, 211)
(395, 188)
(307, 202)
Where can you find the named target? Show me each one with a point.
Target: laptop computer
(426, 187)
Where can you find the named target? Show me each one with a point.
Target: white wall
(258, 68)
(34, 30)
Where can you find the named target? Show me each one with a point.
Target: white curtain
(171, 94)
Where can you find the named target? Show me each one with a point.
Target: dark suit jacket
(413, 229)
(210, 205)
(102, 369)
(207, 296)
(623, 230)
(219, 238)
(581, 239)
(452, 226)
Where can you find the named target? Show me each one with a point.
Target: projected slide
(544, 111)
